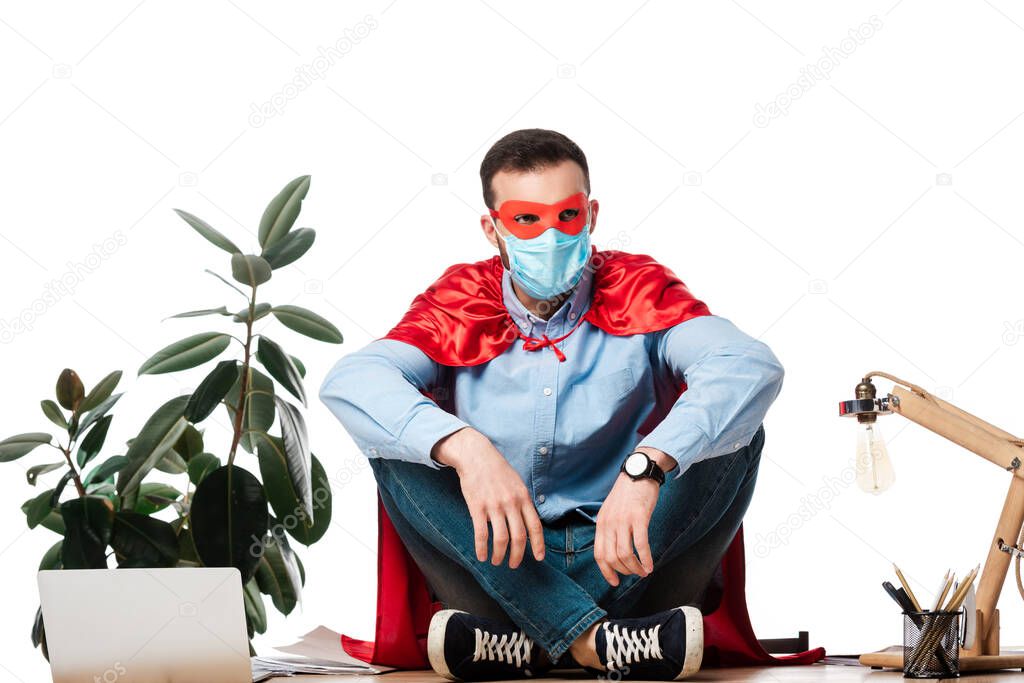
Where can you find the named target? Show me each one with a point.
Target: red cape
(461, 320)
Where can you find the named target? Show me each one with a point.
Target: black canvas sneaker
(462, 647)
(667, 646)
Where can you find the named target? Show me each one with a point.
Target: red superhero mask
(527, 220)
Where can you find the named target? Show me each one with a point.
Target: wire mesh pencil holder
(931, 644)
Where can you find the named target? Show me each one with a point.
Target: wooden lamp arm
(960, 427)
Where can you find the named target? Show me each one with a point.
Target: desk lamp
(875, 474)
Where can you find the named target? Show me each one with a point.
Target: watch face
(636, 464)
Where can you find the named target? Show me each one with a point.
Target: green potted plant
(223, 514)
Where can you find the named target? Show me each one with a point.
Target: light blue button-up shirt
(565, 427)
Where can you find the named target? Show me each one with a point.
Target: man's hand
(494, 493)
(620, 541)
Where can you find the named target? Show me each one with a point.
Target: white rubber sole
(694, 642)
(435, 642)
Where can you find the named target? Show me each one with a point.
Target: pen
(906, 587)
(899, 596)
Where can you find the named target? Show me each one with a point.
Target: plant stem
(75, 476)
(244, 388)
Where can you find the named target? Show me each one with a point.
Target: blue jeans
(557, 599)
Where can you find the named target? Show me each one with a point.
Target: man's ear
(594, 208)
(491, 233)
(487, 225)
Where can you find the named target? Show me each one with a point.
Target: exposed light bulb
(874, 469)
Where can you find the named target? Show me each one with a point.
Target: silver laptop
(179, 625)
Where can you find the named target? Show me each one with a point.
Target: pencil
(961, 589)
(906, 587)
(961, 593)
(946, 583)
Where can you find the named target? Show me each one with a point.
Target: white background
(874, 225)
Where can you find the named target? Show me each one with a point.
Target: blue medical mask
(549, 264)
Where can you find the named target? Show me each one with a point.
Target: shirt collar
(572, 308)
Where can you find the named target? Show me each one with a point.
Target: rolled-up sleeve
(732, 379)
(376, 395)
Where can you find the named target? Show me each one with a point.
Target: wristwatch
(639, 465)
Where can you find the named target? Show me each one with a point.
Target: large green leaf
(100, 392)
(89, 521)
(142, 541)
(54, 522)
(289, 248)
(157, 436)
(105, 489)
(229, 518)
(207, 231)
(189, 443)
(280, 366)
(223, 310)
(70, 390)
(249, 269)
(39, 511)
(277, 575)
(53, 413)
(280, 214)
(36, 509)
(307, 322)
(259, 406)
(284, 497)
(285, 500)
(186, 353)
(260, 310)
(171, 463)
(225, 281)
(106, 469)
(95, 414)
(14, 447)
(91, 445)
(32, 474)
(155, 496)
(201, 465)
(296, 447)
(255, 611)
(290, 558)
(322, 507)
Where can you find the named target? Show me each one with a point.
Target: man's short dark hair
(526, 150)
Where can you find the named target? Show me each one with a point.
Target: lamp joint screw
(1014, 465)
(1011, 550)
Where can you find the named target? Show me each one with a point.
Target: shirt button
(572, 316)
(543, 450)
(540, 498)
(737, 445)
(547, 391)
(373, 451)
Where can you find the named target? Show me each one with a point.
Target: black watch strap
(651, 471)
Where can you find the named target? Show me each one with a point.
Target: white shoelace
(627, 645)
(513, 648)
